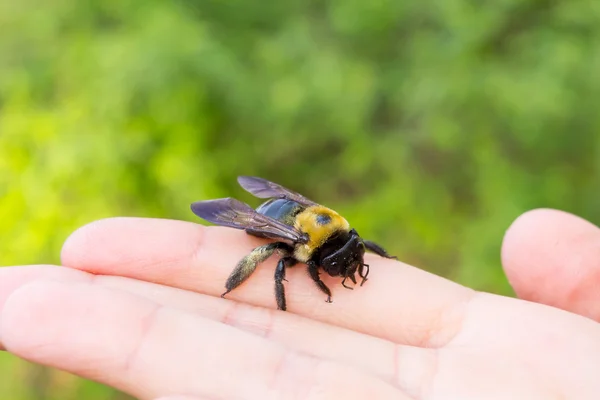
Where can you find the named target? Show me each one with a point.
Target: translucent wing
(264, 189)
(235, 214)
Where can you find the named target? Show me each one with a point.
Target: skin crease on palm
(136, 306)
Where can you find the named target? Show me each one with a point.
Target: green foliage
(431, 125)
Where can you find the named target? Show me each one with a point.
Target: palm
(153, 324)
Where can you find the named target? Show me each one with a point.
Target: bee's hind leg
(248, 264)
(283, 263)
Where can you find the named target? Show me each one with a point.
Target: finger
(12, 278)
(149, 351)
(398, 302)
(405, 367)
(553, 257)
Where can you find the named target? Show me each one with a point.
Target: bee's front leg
(362, 273)
(377, 249)
(313, 270)
(350, 275)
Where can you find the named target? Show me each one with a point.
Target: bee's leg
(344, 284)
(361, 273)
(279, 277)
(290, 262)
(375, 248)
(248, 264)
(313, 270)
(352, 278)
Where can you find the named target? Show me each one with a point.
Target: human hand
(139, 309)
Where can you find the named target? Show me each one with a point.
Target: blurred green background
(431, 125)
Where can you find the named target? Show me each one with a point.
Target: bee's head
(346, 258)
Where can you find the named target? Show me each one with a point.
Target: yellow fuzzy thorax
(307, 222)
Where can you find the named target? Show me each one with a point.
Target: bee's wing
(264, 189)
(235, 214)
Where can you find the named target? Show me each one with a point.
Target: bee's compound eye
(332, 266)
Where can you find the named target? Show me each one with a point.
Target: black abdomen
(283, 210)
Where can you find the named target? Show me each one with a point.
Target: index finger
(399, 302)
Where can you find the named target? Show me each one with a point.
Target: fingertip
(537, 233)
(553, 257)
(109, 245)
(24, 317)
(75, 326)
(13, 278)
(77, 245)
(521, 233)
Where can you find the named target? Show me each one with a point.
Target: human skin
(138, 308)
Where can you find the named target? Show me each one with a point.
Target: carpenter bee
(304, 231)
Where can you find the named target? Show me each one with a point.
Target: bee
(303, 230)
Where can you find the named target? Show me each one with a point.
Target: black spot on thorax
(323, 219)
